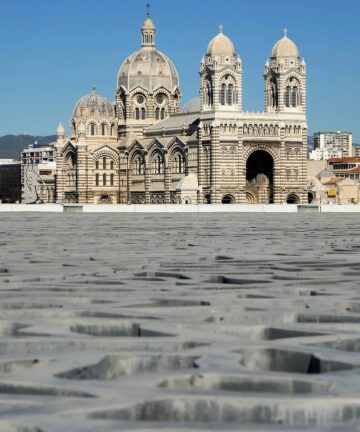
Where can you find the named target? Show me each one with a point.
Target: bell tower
(220, 76)
(285, 78)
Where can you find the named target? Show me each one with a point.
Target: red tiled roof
(344, 159)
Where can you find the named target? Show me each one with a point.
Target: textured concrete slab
(179, 322)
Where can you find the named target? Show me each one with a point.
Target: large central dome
(148, 67)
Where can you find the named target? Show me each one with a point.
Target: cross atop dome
(148, 6)
(221, 28)
(285, 32)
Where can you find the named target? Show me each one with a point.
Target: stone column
(128, 179)
(241, 168)
(167, 180)
(303, 173)
(81, 174)
(279, 175)
(147, 186)
(59, 175)
(215, 164)
(200, 161)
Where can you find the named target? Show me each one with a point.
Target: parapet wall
(179, 208)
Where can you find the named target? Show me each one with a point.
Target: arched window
(96, 179)
(112, 165)
(158, 164)
(92, 129)
(104, 179)
(230, 94)
(97, 164)
(137, 113)
(287, 96)
(295, 97)
(138, 165)
(222, 94)
(292, 93)
(143, 114)
(162, 113)
(112, 129)
(178, 163)
(157, 113)
(103, 129)
(104, 163)
(111, 179)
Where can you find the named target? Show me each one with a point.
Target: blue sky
(54, 51)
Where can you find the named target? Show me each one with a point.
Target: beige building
(143, 149)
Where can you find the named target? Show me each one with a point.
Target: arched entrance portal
(292, 199)
(228, 199)
(105, 199)
(259, 175)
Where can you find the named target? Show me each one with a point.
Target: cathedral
(143, 149)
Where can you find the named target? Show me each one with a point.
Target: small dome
(285, 47)
(188, 183)
(193, 106)
(148, 24)
(221, 45)
(95, 106)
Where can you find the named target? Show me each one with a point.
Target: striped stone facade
(212, 152)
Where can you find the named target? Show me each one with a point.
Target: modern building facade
(38, 170)
(143, 149)
(332, 145)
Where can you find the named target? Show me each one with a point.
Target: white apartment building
(335, 144)
(38, 174)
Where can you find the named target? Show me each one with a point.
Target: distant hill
(11, 146)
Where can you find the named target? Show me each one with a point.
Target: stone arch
(228, 199)
(177, 160)
(311, 197)
(156, 161)
(250, 198)
(260, 165)
(263, 147)
(293, 198)
(137, 162)
(105, 199)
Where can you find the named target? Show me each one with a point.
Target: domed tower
(147, 86)
(220, 76)
(285, 78)
(95, 115)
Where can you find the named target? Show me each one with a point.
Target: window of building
(230, 94)
(222, 94)
(97, 164)
(143, 114)
(96, 179)
(112, 165)
(92, 129)
(111, 179)
(104, 162)
(103, 129)
(137, 113)
(104, 179)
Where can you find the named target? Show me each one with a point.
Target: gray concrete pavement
(185, 322)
